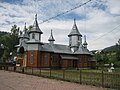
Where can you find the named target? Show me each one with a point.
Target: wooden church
(32, 52)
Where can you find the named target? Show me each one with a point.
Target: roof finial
(25, 28)
(85, 38)
(85, 42)
(74, 21)
(36, 16)
(51, 37)
(25, 24)
(51, 31)
(35, 22)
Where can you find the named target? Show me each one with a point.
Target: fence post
(63, 74)
(50, 72)
(26, 69)
(14, 68)
(102, 79)
(0, 67)
(22, 69)
(6, 67)
(40, 72)
(80, 77)
(32, 70)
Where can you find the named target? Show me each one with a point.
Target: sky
(99, 20)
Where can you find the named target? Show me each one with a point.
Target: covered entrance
(68, 61)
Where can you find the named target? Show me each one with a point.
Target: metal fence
(88, 77)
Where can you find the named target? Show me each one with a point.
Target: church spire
(74, 30)
(51, 39)
(25, 27)
(75, 38)
(85, 42)
(35, 27)
(35, 22)
(25, 33)
(74, 21)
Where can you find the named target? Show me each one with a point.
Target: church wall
(45, 59)
(48, 60)
(55, 60)
(64, 63)
(32, 58)
(67, 63)
(84, 61)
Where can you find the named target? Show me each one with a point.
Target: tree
(15, 30)
(98, 58)
(9, 41)
(118, 50)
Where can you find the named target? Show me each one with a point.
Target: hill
(110, 49)
(2, 33)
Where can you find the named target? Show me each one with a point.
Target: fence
(89, 77)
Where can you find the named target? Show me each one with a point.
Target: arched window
(33, 36)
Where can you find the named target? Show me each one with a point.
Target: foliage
(109, 55)
(118, 50)
(9, 40)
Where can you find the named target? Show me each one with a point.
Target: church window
(33, 36)
(32, 57)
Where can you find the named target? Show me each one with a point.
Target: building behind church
(32, 52)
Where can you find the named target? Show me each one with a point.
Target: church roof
(83, 50)
(63, 49)
(35, 27)
(51, 37)
(74, 30)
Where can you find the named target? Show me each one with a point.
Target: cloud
(94, 19)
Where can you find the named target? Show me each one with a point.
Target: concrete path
(17, 81)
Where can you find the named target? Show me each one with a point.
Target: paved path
(17, 81)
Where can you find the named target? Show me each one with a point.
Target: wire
(106, 33)
(65, 12)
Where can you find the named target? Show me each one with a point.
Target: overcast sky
(99, 20)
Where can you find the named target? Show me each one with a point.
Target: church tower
(75, 38)
(23, 38)
(34, 45)
(51, 39)
(35, 32)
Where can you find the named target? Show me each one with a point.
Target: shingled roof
(63, 49)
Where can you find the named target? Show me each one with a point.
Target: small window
(32, 57)
(33, 36)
